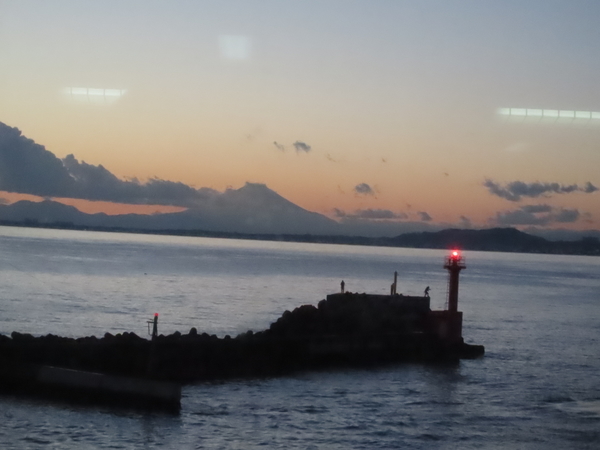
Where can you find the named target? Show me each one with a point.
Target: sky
(457, 113)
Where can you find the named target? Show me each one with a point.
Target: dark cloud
(425, 217)
(363, 189)
(302, 146)
(28, 168)
(280, 147)
(97, 183)
(516, 190)
(370, 214)
(567, 216)
(540, 215)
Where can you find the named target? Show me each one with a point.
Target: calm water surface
(538, 385)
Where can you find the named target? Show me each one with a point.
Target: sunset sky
(342, 107)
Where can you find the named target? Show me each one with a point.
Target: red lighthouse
(448, 323)
(454, 264)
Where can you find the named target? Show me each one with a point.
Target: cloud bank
(516, 190)
(28, 168)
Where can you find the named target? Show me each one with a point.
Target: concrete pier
(123, 388)
(89, 387)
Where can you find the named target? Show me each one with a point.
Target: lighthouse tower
(448, 323)
(454, 264)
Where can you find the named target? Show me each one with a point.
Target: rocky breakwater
(345, 330)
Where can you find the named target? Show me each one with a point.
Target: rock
(109, 337)
(22, 337)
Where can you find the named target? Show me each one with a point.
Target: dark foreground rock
(346, 330)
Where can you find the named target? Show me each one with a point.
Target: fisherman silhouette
(427, 291)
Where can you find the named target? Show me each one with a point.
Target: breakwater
(345, 330)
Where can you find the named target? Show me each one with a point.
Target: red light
(454, 253)
(155, 314)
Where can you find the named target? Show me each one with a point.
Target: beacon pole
(151, 348)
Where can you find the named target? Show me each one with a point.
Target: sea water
(538, 385)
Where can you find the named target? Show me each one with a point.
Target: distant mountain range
(496, 240)
(254, 208)
(247, 214)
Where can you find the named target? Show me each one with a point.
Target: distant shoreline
(509, 240)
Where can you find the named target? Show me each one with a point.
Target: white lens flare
(93, 95)
(558, 115)
(235, 48)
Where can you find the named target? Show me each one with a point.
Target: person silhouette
(427, 289)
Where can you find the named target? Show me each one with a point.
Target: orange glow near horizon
(113, 209)
(93, 207)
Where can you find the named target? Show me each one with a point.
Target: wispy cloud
(533, 209)
(465, 222)
(516, 190)
(541, 215)
(299, 146)
(371, 214)
(425, 217)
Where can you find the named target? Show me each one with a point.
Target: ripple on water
(500, 401)
(36, 440)
(207, 410)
